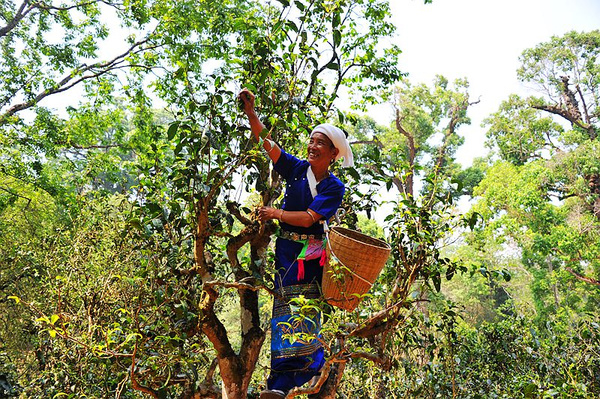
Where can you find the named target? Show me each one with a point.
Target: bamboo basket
(354, 262)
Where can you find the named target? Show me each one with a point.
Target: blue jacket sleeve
(329, 199)
(286, 164)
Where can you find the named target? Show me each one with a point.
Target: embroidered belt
(290, 235)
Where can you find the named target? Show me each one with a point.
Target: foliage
(28, 218)
(131, 260)
(418, 228)
(296, 57)
(543, 193)
(442, 356)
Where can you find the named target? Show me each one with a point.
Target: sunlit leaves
(521, 133)
(191, 162)
(544, 198)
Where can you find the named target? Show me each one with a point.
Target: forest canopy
(133, 262)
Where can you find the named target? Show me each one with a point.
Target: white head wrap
(339, 140)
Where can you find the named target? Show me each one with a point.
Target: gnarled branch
(581, 277)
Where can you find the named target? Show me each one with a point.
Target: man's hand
(266, 213)
(247, 99)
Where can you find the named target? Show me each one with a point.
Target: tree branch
(382, 361)
(379, 322)
(554, 109)
(375, 141)
(207, 389)
(234, 209)
(243, 284)
(98, 146)
(326, 371)
(211, 326)
(581, 277)
(17, 195)
(588, 120)
(20, 14)
(96, 70)
(411, 150)
(136, 385)
(42, 6)
(235, 243)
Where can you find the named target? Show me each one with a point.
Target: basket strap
(347, 268)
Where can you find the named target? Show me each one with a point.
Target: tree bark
(569, 109)
(334, 379)
(554, 286)
(581, 277)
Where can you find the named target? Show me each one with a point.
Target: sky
(482, 41)
(477, 39)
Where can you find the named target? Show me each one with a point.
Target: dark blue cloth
(330, 192)
(295, 363)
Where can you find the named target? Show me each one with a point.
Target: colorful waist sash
(313, 248)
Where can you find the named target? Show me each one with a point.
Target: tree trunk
(554, 286)
(329, 389)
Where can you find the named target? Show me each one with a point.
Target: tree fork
(216, 333)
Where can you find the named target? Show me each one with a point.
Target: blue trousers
(296, 353)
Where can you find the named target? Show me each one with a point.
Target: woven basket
(354, 262)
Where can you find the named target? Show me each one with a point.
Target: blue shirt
(330, 192)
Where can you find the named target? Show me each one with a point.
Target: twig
(383, 361)
(136, 385)
(240, 285)
(96, 70)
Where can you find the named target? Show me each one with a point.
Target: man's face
(320, 149)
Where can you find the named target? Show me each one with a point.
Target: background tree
(425, 136)
(543, 193)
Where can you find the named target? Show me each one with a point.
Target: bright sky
(481, 40)
(477, 39)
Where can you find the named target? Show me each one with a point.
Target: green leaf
(336, 20)
(354, 173)
(337, 37)
(172, 130)
(437, 282)
(450, 272)
(529, 390)
(292, 25)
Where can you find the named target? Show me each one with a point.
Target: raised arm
(257, 127)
